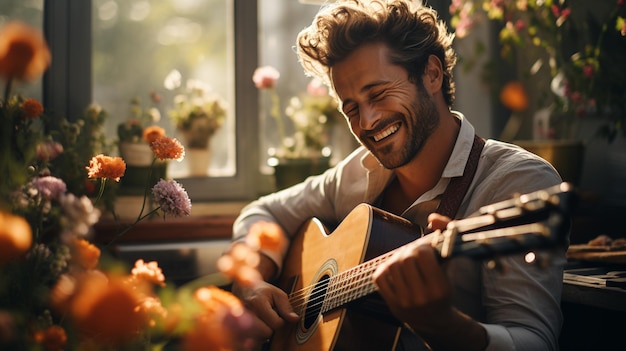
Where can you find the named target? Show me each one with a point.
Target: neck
(425, 170)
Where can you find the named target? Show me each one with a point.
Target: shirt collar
(462, 148)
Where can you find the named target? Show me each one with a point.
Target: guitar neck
(529, 222)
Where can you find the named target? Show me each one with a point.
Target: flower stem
(130, 226)
(7, 91)
(275, 111)
(145, 192)
(101, 191)
(140, 216)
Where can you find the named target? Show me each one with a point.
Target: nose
(369, 117)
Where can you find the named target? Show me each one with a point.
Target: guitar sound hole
(316, 299)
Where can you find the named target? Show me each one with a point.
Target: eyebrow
(372, 85)
(366, 88)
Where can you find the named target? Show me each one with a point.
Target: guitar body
(328, 277)
(314, 257)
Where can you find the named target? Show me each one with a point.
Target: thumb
(284, 309)
(437, 221)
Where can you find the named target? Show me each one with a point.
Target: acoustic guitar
(328, 276)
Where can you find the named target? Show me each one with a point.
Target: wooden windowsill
(159, 230)
(208, 221)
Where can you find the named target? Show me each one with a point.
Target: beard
(419, 123)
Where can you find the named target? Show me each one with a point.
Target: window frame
(67, 89)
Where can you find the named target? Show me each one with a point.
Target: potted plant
(133, 142)
(304, 136)
(567, 57)
(198, 113)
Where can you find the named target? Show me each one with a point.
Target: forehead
(367, 65)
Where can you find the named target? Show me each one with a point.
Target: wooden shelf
(159, 230)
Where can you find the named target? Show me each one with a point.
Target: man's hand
(270, 306)
(415, 287)
(417, 291)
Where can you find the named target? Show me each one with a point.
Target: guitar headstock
(540, 219)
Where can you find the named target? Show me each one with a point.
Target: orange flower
(152, 133)
(24, 54)
(152, 307)
(15, 237)
(62, 292)
(108, 167)
(150, 272)
(240, 264)
(210, 332)
(31, 108)
(266, 235)
(513, 96)
(214, 300)
(53, 338)
(166, 148)
(85, 254)
(207, 333)
(105, 310)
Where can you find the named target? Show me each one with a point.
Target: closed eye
(351, 110)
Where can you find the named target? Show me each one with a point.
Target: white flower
(78, 216)
(173, 80)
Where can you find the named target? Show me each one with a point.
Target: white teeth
(385, 133)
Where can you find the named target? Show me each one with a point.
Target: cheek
(353, 123)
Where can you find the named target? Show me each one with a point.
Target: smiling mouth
(385, 133)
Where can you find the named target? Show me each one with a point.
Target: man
(390, 65)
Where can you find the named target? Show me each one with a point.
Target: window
(167, 44)
(87, 68)
(280, 21)
(92, 41)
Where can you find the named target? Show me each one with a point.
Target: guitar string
(361, 280)
(361, 285)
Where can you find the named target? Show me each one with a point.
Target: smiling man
(390, 65)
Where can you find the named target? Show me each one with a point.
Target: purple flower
(49, 150)
(172, 198)
(51, 188)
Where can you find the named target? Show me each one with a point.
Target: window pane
(30, 12)
(138, 44)
(280, 22)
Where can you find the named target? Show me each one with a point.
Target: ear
(433, 74)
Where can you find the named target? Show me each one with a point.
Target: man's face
(390, 115)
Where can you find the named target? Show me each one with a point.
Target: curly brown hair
(412, 31)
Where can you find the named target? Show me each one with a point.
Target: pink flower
(265, 77)
(576, 97)
(588, 71)
(555, 10)
(455, 5)
(49, 150)
(464, 23)
(172, 198)
(155, 97)
(51, 188)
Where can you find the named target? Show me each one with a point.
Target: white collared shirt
(520, 309)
